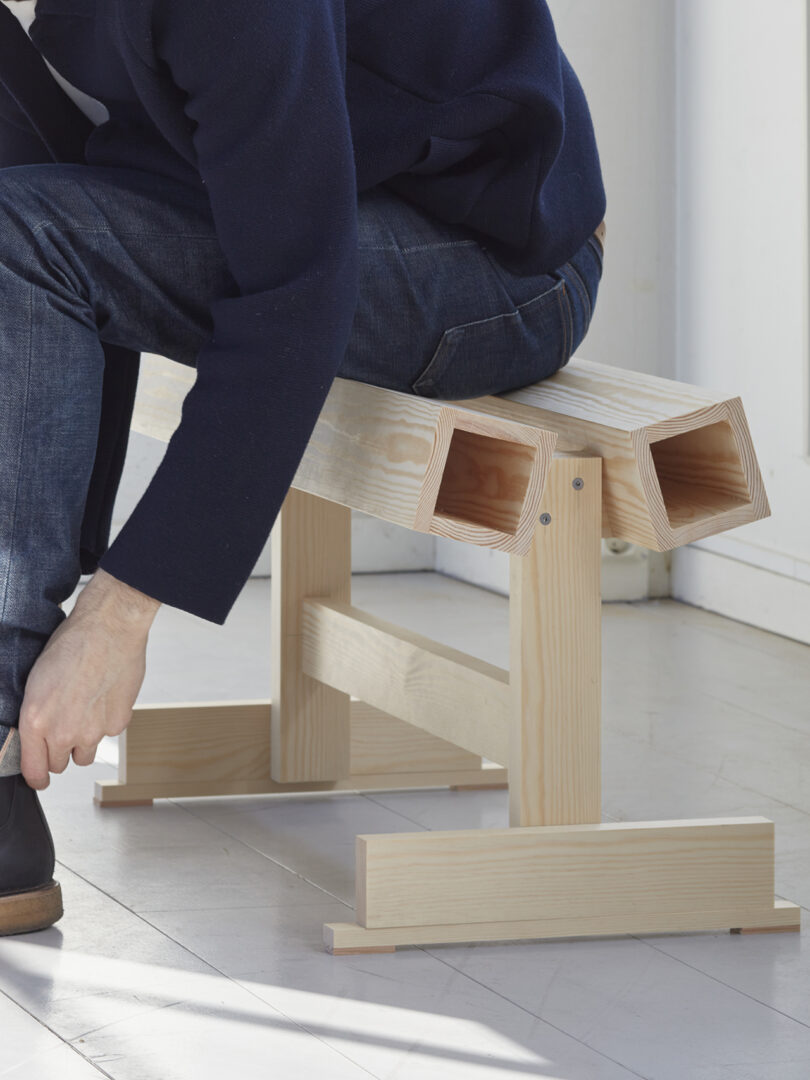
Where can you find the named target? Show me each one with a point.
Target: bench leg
(555, 613)
(309, 721)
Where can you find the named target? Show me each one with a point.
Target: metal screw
(545, 519)
(578, 484)
(617, 546)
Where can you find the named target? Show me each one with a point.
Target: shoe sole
(21, 913)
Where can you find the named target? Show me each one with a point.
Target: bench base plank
(443, 887)
(110, 793)
(345, 939)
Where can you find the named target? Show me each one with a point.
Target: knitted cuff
(9, 751)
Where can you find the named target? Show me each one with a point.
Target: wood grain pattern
(217, 742)
(310, 551)
(440, 689)
(564, 872)
(678, 460)
(382, 743)
(223, 748)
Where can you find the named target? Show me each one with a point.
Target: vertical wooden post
(555, 662)
(310, 737)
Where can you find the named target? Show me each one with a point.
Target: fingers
(58, 758)
(38, 760)
(34, 759)
(40, 756)
(84, 755)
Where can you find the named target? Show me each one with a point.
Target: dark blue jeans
(91, 255)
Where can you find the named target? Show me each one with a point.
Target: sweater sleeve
(264, 85)
(19, 143)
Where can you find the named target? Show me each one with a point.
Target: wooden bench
(361, 703)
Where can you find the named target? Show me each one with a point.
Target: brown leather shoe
(30, 899)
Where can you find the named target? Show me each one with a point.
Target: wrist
(112, 599)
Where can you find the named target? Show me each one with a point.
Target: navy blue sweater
(283, 111)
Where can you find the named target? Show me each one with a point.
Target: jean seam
(560, 286)
(121, 232)
(419, 247)
(596, 244)
(26, 401)
(582, 289)
(566, 319)
(426, 379)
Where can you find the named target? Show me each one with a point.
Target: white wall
(743, 285)
(622, 51)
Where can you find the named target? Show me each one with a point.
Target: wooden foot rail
(223, 748)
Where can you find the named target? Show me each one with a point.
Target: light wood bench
(361, 703)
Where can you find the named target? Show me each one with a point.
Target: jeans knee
(21, 222)
(35, 250)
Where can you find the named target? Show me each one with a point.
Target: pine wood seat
(416, 462)
(361, 703)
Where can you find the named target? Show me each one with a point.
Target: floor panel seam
(269, 858)
(61, 1038)
(719, 981)
(542, 1019)
(218, 971)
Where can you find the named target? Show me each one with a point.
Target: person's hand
(84, 683)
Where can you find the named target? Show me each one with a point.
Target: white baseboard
(628, 572)
(742, 591)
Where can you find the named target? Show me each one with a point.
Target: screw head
(578, 483)
(545, 519)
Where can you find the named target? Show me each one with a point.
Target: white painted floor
(191, 944)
